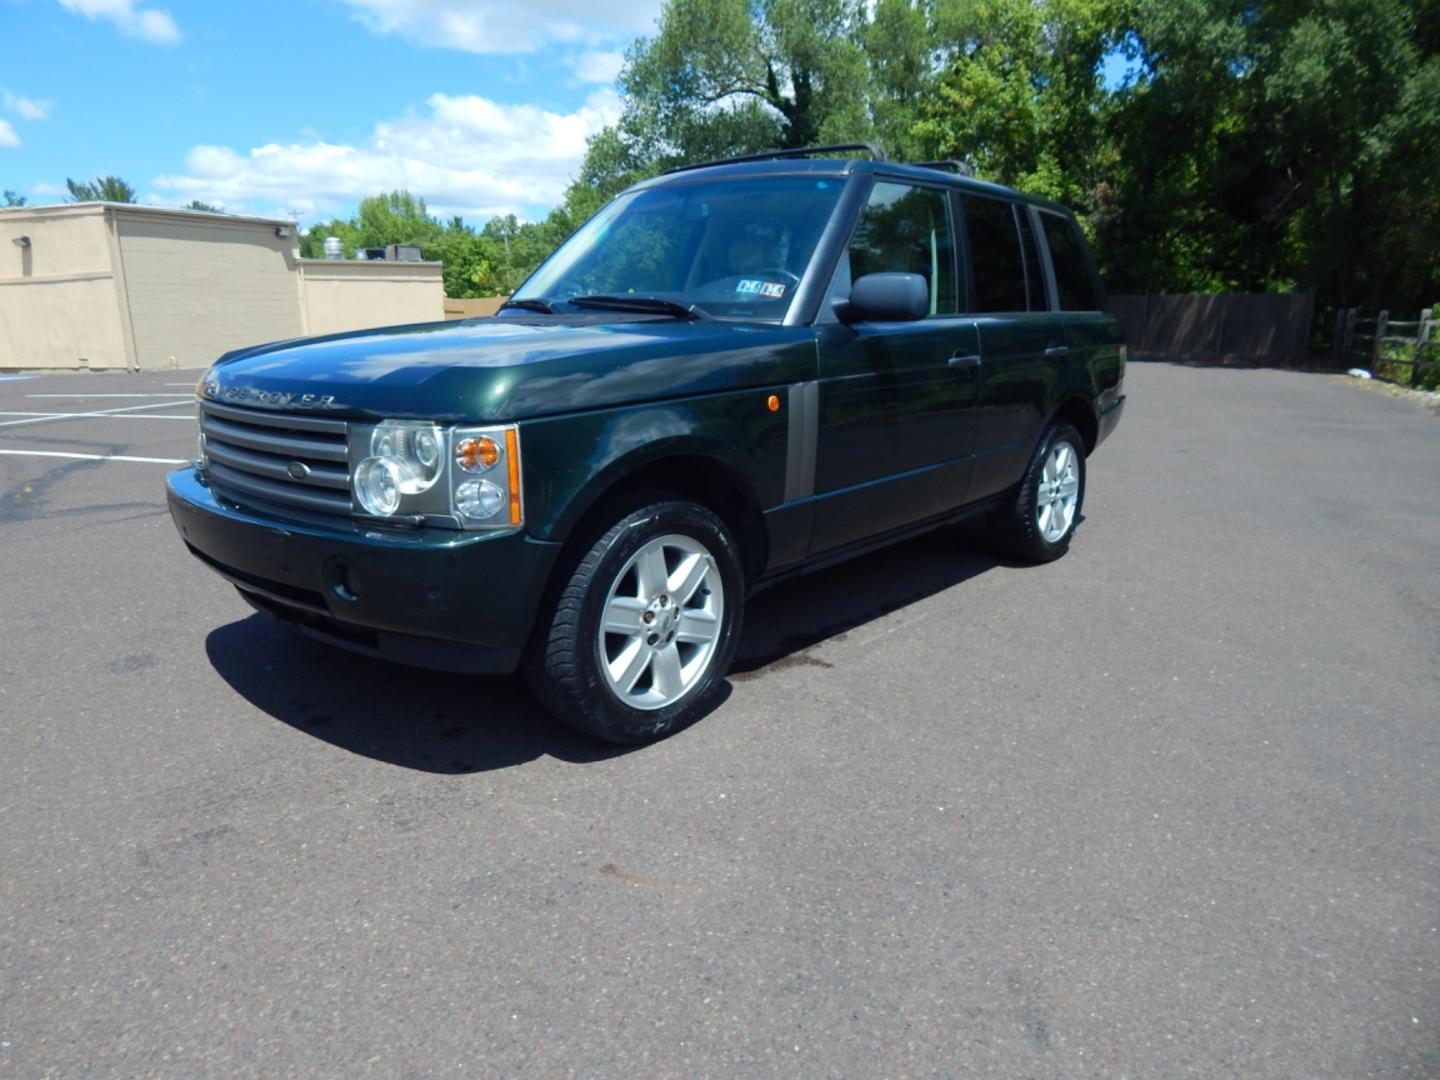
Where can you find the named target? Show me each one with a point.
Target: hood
(501, 369)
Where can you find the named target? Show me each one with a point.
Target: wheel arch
(1080, 412)
(686, 468)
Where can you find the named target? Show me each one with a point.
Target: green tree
(101, 189)
(902, 47)
(729, 76)
(196, 204)
(397, 217)
(1021, 96)
(1257, 144)
(489, 262)
(12, 199)
(1279, 145)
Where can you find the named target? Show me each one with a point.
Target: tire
(1038, 518)
(670, 626)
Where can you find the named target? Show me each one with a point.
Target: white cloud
(507, 26)
(147, 24)
(599, 67)
(44, 190)
(7, 134)
(468, 155)
(24, 107)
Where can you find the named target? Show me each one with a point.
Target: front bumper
(430, 597)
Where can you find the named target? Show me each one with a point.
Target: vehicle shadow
(785, 622)
(423, 720)
(441, 723)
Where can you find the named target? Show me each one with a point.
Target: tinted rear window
(996, 263)
(1072, 271)
(1034, 269)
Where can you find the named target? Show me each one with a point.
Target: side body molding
(803, 436)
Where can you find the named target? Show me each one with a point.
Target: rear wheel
(641, 635)
(1039, 517)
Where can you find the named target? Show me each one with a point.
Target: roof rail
(875, 152)
(961, 168)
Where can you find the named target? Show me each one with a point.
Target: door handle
(1057, 350)
(965, 361)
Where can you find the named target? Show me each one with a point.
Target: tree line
(1207, 145)
(1233, 146)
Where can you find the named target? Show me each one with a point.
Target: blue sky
(299, 108)
(302, 107)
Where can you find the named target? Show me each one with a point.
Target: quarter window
(907, 229)
(997, 265)
(1072, 271)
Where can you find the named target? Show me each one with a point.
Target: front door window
(906, 229)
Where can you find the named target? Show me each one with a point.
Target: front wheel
(642, 633)
(1039, 516)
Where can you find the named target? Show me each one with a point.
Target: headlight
(466, 478)
(378, 486)
(414, 450)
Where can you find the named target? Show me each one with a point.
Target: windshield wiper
(529, 303)
(643, 304)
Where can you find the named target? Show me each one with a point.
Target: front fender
(570, 461)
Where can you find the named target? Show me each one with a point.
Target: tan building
(112, 286)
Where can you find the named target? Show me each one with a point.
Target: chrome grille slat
(253, 451)
(295, 447)
(273, 491)
(288, 421)
(263, 465)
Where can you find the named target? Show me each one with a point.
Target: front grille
(252, 453)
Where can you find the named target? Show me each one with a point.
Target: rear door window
(1034, 269)
(1073, 280)
(997, 262)
(907, 229)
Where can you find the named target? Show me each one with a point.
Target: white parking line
(47, 418)
(110, 395)
(93, 416)
(95, 457)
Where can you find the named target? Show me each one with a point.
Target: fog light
(479, 499)
(377, 486)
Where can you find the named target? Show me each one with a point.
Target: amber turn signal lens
(512, 443)
(477, 455)
(773, 403)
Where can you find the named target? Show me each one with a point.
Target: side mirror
(888, 297)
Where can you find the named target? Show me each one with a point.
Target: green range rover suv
(734, 372)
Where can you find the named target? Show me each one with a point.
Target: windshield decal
(771, 290)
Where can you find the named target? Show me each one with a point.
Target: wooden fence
(1385, 345)
(1271, 328)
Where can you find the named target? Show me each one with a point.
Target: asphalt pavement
(1168, 807)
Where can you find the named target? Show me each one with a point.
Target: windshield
(733, 247)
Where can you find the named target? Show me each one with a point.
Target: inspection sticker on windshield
(772, 290)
